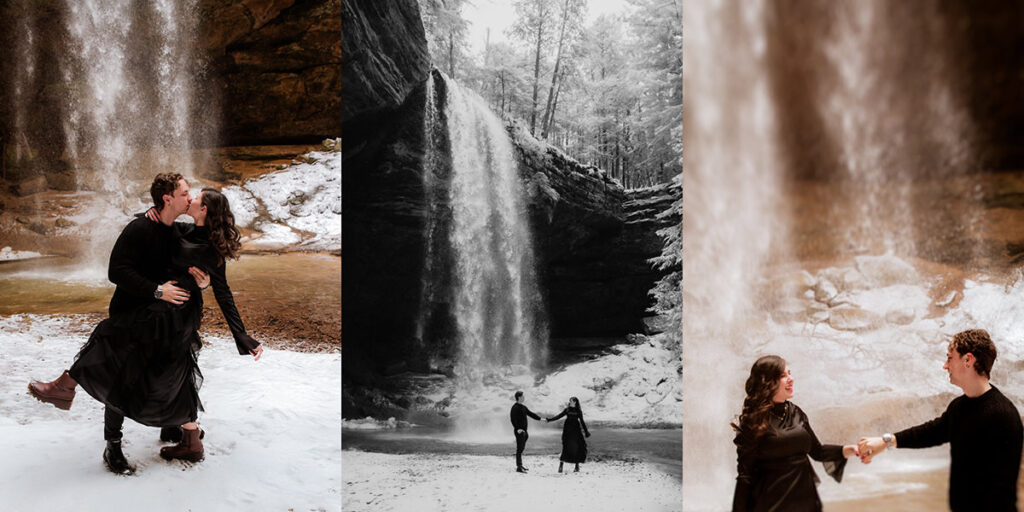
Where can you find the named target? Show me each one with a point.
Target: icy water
(661, 447)
(63, 286)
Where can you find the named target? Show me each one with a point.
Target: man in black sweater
(518, 416)
(982, 427)
(139, 264)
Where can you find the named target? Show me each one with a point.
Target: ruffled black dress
(142, 362)
(773, 471)
(574, 445)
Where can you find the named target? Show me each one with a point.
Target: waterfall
(730, 200)
(491, 285)
(131, 66)
(118, 79)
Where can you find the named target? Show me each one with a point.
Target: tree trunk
(451, 54)
(545, 122)
(553, 106)
(536, 69)
(502, 75)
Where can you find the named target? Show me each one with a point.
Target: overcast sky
(498, 15)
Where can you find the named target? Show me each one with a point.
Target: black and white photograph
(170, 255)
(512, 228)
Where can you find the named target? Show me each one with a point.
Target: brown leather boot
(190, 448)
(59, 392)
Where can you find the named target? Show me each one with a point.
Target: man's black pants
(520, 446)
(112, 423)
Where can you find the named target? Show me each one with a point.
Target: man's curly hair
(163, 183)
(977, 342)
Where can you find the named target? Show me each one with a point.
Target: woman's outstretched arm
(832, 456)
(563, 413)
(226, 300)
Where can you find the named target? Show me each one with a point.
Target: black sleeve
(925, 435)
(125, 258)
(830, 455)
(564, 411)
(530, 413)
(746, 452)
(584, 424)
(226, 301)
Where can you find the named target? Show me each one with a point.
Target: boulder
(852, 318)
(881, 271)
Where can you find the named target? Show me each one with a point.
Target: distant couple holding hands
(982, 427)
(574, 446)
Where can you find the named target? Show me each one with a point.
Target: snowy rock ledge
(637, 384)
(297, 208)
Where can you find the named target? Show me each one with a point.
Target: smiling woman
(773, 440)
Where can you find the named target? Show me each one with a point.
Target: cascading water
(132, 67)
(124, 72)
(494, 302)
(729, 222)
(863, 317)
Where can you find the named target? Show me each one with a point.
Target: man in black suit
(518, 415)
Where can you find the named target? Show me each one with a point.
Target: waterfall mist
(119, 79)
(479, 270)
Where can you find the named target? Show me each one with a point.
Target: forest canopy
(608, 91)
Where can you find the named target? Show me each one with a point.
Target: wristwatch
(888, 439)
(159, 293)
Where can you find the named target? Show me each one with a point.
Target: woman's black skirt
(143, 363)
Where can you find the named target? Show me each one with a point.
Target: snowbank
(297, 207)
(273, 429)
(426, 482)
(637, 384)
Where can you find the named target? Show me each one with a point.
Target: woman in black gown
(574, 446)
(143, 363)
(773, 440)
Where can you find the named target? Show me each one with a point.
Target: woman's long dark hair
(762, 384)
(579, 408)
(224, 236)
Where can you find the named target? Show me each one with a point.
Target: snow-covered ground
(377, 482)
(273, 429)
(299, 206)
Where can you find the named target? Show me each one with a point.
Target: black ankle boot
(114, 458)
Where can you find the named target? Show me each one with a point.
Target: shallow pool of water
(65, 286)
(661, 447)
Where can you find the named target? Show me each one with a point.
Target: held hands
(520, 431)
(850, 450)
(202, 278)
(256, 353)
(173, 294)
(869, 447)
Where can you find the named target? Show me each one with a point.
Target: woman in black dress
(143, 363)
(773, 440)
(574, 447)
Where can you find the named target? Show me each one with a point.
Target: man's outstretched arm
(928, 434)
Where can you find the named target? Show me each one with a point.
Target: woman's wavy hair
(762, 384)
(224, 236)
